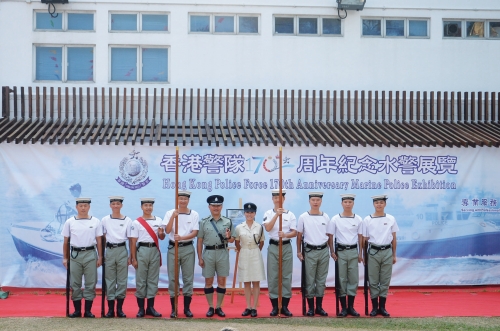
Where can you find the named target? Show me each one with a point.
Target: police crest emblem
(133, 172)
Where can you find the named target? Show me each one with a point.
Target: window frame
(64, 62)
(139, 64)
(296, 26)
(406, 34)
(65, 23)
(139, 21)
(463, 22)
(236, 23)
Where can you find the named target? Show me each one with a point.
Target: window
(142, 22)
(64, 63)
(395, 28)
(125, 62)
(471, 29)
(307, 26)
(223, 24)
(65, 21)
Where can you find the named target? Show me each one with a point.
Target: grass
(261, 324)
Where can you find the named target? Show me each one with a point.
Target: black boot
(284, 307)
(319, 307)
(119, 308)
(343, 304)
(274, 312)
(78, 309)
(172, 303)
(140, 303)
(381, 309)
(374, 311)
(350, 306)
(187, 304)
(88, 308)
(310, 302)
(151, 308)
(111, 309)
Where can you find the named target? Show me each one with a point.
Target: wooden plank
(300, 133)
(52, 139)
(215, 134)
(48, 131)
(20, 136)
(359, 129)
(350, 130)
(159, 132)
(255, 135)
(230, 130)
(143, 135)
(81, 131)
(277, 131)
(36, 128)
(374, 134)
(247, 133)
(269, 132)
(346, 134)
(333, 136)
(261, 132)
(126, 134)
(314, 132)
(15, 129)
(105, 131)
(66, 130)
(91, 129)
(238, 132)
(292, 132)
(100, 126)
(112, 131)
(283, 131)
(208, 133)
(200, 133)
(152, 128)
(221, 128)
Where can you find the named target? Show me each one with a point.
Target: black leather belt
(82, 249)
(343, 247)
(380, 248)
(111, 245)
(143, 244)
(276, 242)
(318, 248)
(180, 244)
(211, 248)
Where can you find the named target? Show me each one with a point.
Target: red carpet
(401, 302)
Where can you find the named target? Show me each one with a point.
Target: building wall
(270, 61)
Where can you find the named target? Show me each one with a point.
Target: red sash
(151, 232)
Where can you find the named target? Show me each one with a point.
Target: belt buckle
(318, 248)
(114, 245)
(83, 249)
(383, 248)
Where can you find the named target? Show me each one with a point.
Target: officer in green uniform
(214, 233)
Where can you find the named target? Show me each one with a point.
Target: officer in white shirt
(116, 230)
(288, 231)
(311, 227)
(346, 229)
(380, 230)
(84, 233)
(188, 225)
(146, 258)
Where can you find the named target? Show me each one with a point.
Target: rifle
(365, 285)
(103, 239)
(68, 279)
(337, 280)
(303, 278)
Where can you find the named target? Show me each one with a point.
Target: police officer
(346, 228)
(85, 233)
(289, 230)
(312, 226)
(116, 231)
(380, 230)
(214, 233)
(188, 225)
(146, 257)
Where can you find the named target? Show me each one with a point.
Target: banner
(445, 200)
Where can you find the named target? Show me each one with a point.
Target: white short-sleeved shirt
(117, 230)
(345, 229)
(379, 229)
(142, 235)
(289, 223)
(187, 223)
(249, 237)
(313, 227)
(82, 231)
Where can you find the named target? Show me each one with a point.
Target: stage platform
(464, 301)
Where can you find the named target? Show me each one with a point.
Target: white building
(412, 45)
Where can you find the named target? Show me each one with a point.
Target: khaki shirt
(208, 233)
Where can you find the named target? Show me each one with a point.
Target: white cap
(347, 196)
(83, 200)
(316, 194)
(380, 197)
(277, 192)
(147, 200)
(116, 198)
(184, 194)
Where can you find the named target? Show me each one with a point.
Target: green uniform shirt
(208, 233)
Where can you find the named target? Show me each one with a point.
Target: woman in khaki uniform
(249, 242)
